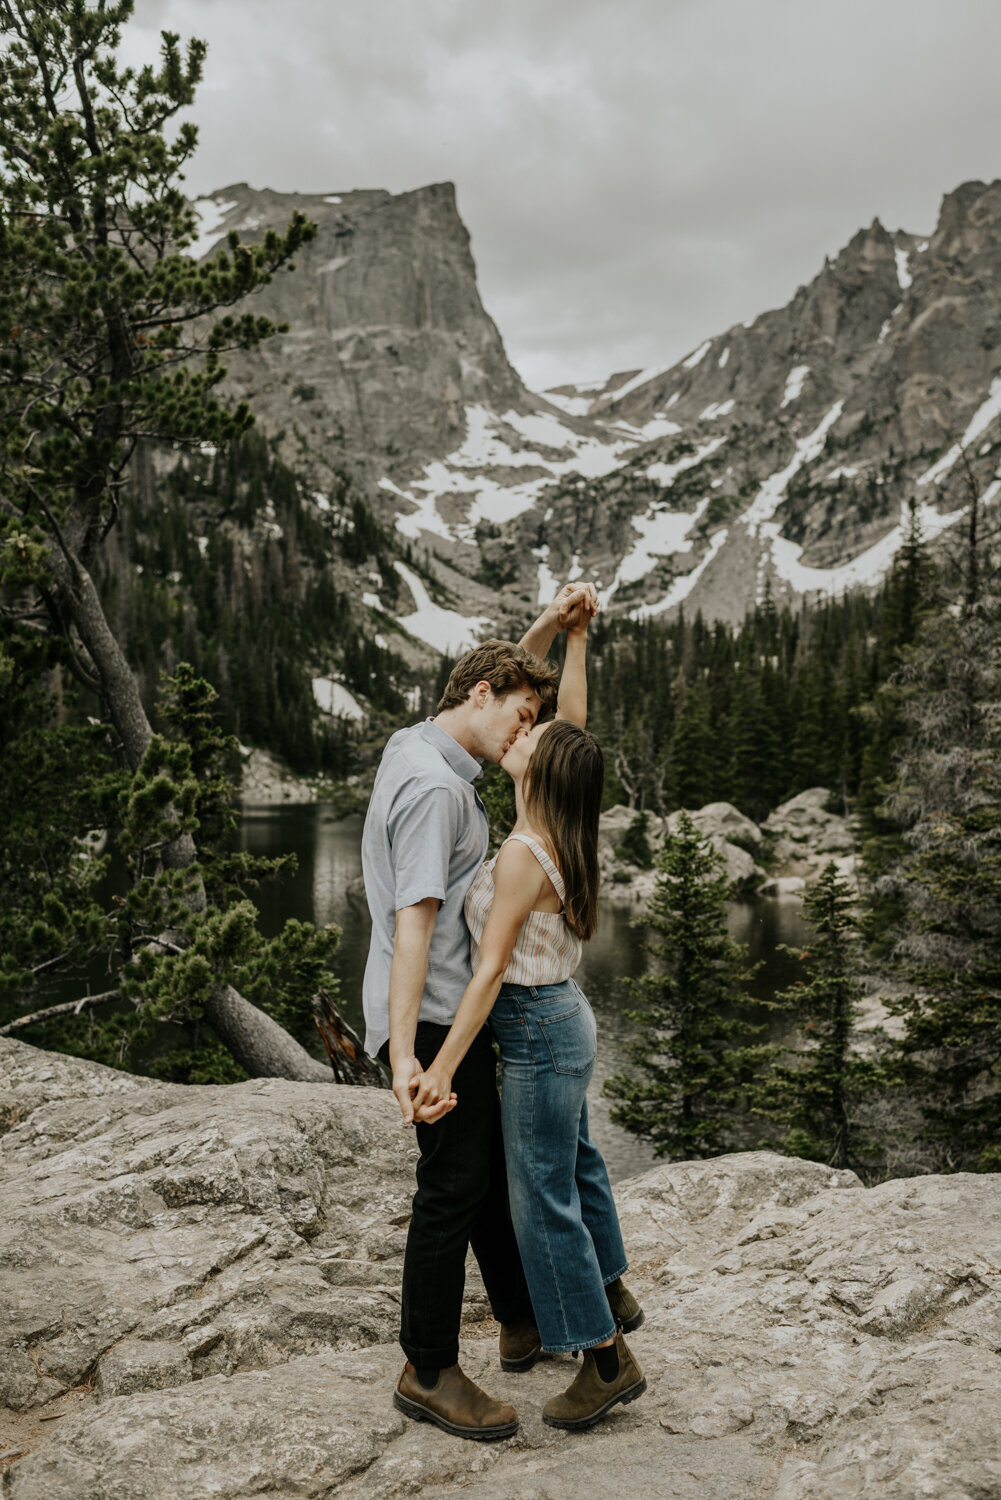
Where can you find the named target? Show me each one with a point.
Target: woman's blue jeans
(561, 1200)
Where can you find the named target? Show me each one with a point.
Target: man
(425, 837)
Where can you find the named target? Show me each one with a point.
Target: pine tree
(815, 1091)
(945, 885)
(693, 1044)
(691, 754)
(110, 334)
(167, 952)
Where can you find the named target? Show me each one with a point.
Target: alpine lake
(325, 889)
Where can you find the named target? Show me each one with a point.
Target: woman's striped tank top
(546, 952)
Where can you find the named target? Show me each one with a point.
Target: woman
(529, 910)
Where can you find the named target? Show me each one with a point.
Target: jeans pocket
(571, 1039)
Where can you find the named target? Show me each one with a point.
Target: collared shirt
(425, 835)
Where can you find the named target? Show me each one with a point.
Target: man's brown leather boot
(455, 1404)
(520, 1345)
(588, 1398)
(625, 1309)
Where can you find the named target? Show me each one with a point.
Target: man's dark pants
(461, 1200)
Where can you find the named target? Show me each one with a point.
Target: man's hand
(407, 1075)
(430, 1114)
(561, 615)
(434, 1089)
(578, 609)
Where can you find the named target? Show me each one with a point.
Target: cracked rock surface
(217, 1269)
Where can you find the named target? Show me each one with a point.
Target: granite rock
(247, 1223)
(804, 1337)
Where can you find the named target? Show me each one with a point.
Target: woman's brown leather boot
(588, 1398)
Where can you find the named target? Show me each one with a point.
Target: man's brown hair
(506, 667)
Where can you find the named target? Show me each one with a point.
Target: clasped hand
(422, 1096)
(433, 1097)
(576, 605)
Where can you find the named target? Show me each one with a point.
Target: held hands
(433, 1097)
(413, 1089)
(576, 605)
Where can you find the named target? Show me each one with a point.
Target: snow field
(444, 629)
(979, 422)
(333, 698)
(794, 384)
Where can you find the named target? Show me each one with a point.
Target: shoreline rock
(719, 822)
(228, 1261)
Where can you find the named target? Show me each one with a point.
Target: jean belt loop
(534, 991)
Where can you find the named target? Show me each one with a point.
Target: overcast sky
(636, 174)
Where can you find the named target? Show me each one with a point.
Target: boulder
(804, 838)
(721, 819)
(805, 1338)
(234, 1226)
(624, 884)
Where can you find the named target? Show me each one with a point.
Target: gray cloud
(635, 176)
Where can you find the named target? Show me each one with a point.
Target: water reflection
(329, 855)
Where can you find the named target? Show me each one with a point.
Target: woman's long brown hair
(563, 788)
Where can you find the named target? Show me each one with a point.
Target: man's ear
(481, 693)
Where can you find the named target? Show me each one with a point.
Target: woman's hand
(578, 604)
(434, 1097)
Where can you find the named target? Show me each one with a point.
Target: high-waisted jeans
(561, 1200)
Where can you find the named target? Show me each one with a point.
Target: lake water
(329, 855)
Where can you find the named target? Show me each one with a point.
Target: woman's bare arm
(519, 881)
(571, 702)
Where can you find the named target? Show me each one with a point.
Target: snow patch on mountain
(697, 355)
(210, 213)
(904, 276)
(549, 584)
(979, 422)
(662, 533)
(641, 378)
(333, 698)
(766, 501)
(866, 569)
(716, 409)
(681, 587)
(444, 629)
(665, 474)
(486, 448)
(795, 381)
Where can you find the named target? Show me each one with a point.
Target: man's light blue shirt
(425, 835)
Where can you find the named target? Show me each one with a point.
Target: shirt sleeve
(422, 836)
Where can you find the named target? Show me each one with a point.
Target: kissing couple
(465, 954)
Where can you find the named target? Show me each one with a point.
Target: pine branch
(71, 1007)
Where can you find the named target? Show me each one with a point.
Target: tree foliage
(111, 335)
(946, 883)
(692, 1048)
(813, 1091)
(162, 949)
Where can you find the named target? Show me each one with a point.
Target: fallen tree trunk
(261, 1047)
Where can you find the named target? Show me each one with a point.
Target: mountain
(779, 455)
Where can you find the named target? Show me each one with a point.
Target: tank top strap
(544, 860)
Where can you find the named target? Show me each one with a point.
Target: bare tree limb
(71, 1007)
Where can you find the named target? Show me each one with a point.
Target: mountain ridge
(779, 455)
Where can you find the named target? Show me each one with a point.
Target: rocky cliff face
(779, 455)
(387, 339)
(199, 1301)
